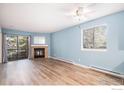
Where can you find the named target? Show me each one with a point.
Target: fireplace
(39, 51)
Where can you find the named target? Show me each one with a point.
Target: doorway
(17, 47)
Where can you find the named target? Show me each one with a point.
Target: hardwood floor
(51, 72)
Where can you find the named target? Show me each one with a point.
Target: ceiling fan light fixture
(80, 14)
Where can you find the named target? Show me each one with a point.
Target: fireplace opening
(39, 52)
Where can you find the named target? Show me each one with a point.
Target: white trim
(89, 67)
(70, 61)
(108, 72)
(101, 50)
(38, 45)
(84, 66)
(61, 59)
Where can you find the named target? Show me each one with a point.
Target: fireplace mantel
(39, 46)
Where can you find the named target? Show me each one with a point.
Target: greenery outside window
(94, 38)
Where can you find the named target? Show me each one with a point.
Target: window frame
(39, 37)
(93, 49)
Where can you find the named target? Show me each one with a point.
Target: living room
(57, 44)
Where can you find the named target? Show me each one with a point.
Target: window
(39, 40)
(94, 38)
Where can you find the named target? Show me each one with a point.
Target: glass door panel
(12, 54)
(17, 47)
(11, 47)
(22, 47)
(22, 54)
(11, 42)
(22, 42)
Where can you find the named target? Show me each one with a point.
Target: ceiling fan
(81, 13)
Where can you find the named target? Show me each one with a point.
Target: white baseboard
(61, 59)
(70, 61)
(89, 67)
(84, 66)
(108, 72)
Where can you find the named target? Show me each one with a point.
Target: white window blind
(39, 40)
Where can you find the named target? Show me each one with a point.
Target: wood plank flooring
(51, 72)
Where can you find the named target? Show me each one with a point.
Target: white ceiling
(49, 17)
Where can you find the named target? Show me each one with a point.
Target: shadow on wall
(120, 68)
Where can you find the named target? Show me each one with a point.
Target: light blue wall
(32, 34)
(66, 44)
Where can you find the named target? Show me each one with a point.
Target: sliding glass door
(17, 47)
(11, 47)
(22, 47)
